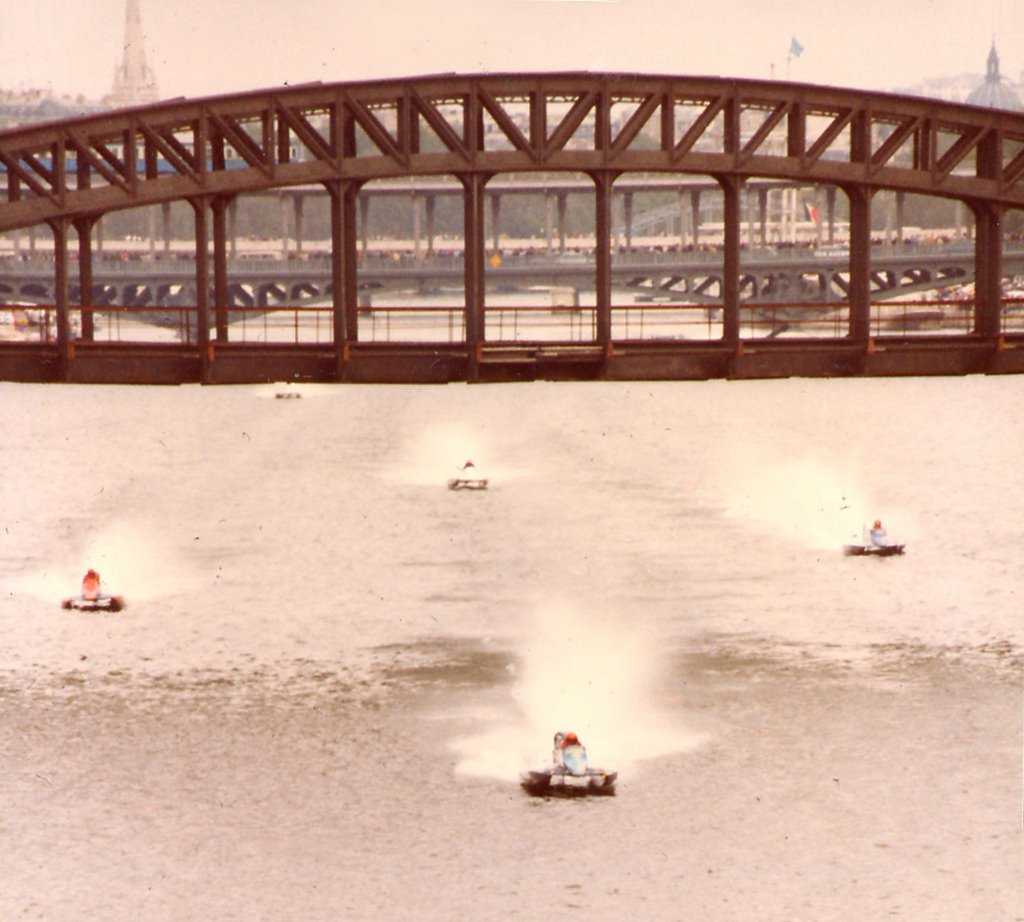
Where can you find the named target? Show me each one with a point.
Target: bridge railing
(420, 324)
(445, 324)
(910, 317)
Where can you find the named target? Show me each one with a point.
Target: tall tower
(134, 80)
(995, 93)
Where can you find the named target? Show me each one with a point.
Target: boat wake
(589, 672)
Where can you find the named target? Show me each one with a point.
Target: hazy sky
(204, 47)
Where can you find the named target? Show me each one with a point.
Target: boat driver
(91, 587)
(879, 538)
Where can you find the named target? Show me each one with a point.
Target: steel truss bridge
(206, 152)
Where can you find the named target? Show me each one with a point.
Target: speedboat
(569, 775)
(873, 550)
(101, 603)
(467, 483)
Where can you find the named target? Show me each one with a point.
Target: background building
(134, 85)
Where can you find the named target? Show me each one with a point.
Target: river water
(332, 669)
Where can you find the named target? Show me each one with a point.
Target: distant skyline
(197, 48)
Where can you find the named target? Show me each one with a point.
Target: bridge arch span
(206, 152)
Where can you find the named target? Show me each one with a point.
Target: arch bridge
(205, 152)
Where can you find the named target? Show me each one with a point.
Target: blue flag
(795, 48)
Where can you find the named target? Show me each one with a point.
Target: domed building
(995, 93)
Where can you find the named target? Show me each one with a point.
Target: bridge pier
(988, 269)
(860, 263)
(61, 295)
(83, 227)
(473, 267)
(202, 254)
(344, 271)
(603, 256)
(219, 206)
(731, 190)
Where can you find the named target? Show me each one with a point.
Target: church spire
(134, 80)
(993, 65)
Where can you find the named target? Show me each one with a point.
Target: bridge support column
(233, 227)
(830, 197)
(61, 293)
(749, 212)
(549, 222)
(496, 221)
(682, 218)
(417, 231)
(563, 204)
(83, 227)
(284, 227)
(475, 241)
(762, 214)
(988, 269)
(364, 222)
(860, 262)
(429, 203)
(695, 217)
(297, 203)
(344, 270)
(819, 205)
(165, 209)
(731, 190)
(151, 229)
(202, 333)
(627, 211)
(603, 256)
(219, 206)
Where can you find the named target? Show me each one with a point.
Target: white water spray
(590, 672)
(132, 561)
(439, 452)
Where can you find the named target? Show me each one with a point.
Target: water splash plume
(594, 673)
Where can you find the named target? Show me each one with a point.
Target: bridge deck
(248, 363)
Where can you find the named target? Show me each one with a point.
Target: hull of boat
(869, 550)
(562, 784)
(104, 603)
(464, 483)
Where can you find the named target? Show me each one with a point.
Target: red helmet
(878, 523)
(571, 737)
(91, 572)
